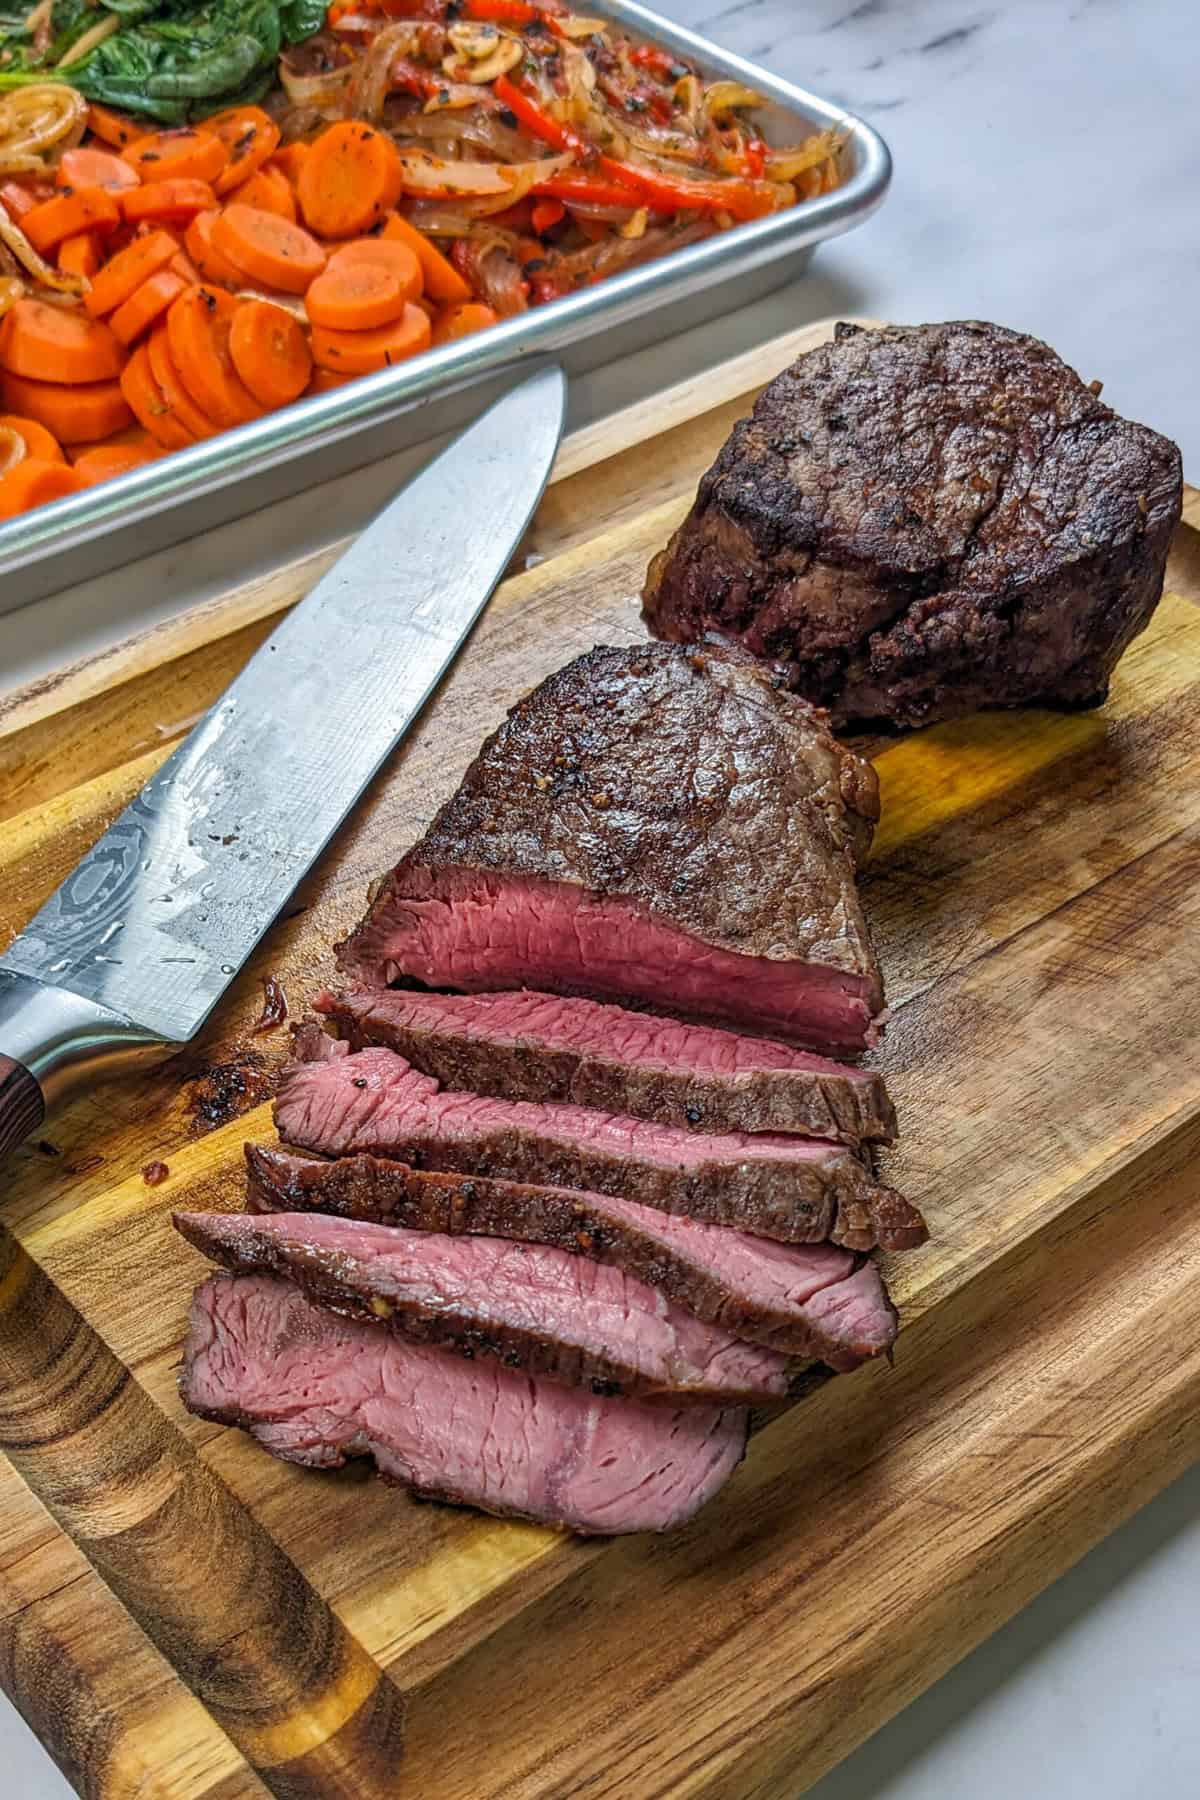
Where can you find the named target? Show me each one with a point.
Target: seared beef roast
(655, 825)
(317, 1389)
(799, 1190)
(813, 1301)
(528, 1305)
(525, 1046)
(925, 520)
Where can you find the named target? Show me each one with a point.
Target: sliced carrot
(249, 136)
(351, 177)
(85, 166)
(167, 202)
(184, 155)
(361, 352)
(104, 461)
(76, 415)
(146, 305)
(323, 381)
(135, 434)
(266, 248)
(270, 190)
(38, 441)
(289, 160)
(399, 257)
(428, 308)
(174, 393)
(79, 255)
(460, 321)
(112, 127)
(207, 258)
(357, 296)
(57, 343)
(198, 327)
(185, 268)
(34, 483)
(270, 352)
(149, 403)
(442, 280)
(127, 270)
(70, 212)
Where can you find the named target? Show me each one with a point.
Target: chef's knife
(139, 943)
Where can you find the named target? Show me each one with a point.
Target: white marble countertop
(1044, 151)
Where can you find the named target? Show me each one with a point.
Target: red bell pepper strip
(755, 159)
(547, 214)
(538, 121)
(661, 62)
(433, 10)
(500, 12)
(588, 190)
(680, 193)
(666, 193)
(511, 12)
(514, 218)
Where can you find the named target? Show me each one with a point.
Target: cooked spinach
(170, 59)
(301, 19)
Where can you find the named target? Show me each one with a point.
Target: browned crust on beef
(852, 1111)
(835, 1199)
(924, 520)
(391, 1193)
(685, 782)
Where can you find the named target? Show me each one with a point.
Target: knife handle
(22, 1104)
(50, 1040)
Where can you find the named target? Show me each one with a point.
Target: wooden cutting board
(182, 1616)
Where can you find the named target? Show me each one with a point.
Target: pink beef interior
(373, 1096)
(818, 1284)
(496, 1286)
(591, 1028)
(460, 928)
(317, 1389)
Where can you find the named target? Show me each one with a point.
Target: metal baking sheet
(242, 470)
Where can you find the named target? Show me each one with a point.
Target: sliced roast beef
(530, 1306)
(814, 1301)
(527, 1046)
(655, 825)
(316, 1389)
(923, 520)
(798, 1190)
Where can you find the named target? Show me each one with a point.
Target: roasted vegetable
(169, 59)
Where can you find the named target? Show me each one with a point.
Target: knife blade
(139, 943)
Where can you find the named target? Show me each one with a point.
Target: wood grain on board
(1035, 891)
